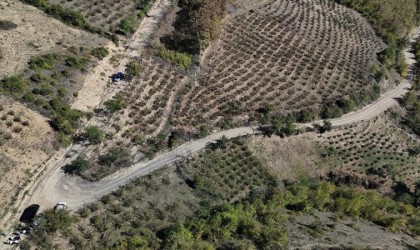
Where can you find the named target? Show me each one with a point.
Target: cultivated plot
(292, 55)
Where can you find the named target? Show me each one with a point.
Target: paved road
(56, 186)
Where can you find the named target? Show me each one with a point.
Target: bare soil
(35, 34)
(26, 143)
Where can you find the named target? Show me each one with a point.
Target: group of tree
(393, 21)
(197, 24)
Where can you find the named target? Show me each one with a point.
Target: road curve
(57, 186)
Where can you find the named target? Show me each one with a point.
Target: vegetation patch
(183, 60)
(197, 24)
(49, 85)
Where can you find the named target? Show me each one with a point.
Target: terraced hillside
(292, 55)
(376, 151)
(137, 118)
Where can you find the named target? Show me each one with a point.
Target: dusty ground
(23, 153)
(35, 34)
(291, 157)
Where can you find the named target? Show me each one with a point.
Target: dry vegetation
(292, 55)
(35, 34)
(26, 142)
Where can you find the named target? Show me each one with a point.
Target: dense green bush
(43, 62)
(119, 102)
(183, 60)
(63, 118)
(100, 52)
(53, 221)
(93, 134)
(14, 85)
(348, 103)
(133, 68)
(352, 202)
(115, 157)
(129, 25)
(77, 166)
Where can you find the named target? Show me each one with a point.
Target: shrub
(64, 119)
(117, 103)
(14, 85)
(100, 52)
(183, 60)
(76, 62)
(77, 166)
(115, 157)
(43, 62)
(55, 220)
(129, 25)
(93, 134)
(133, 68)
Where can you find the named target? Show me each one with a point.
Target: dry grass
(290, 158)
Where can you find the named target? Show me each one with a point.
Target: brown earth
(35, 34)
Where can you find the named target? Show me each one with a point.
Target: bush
(14, 85)
(43, 62)
(77, 166)
(93, 134)
(55, 220)
(64, 119)
(129, 25)
(115, 157)
(133, 68)
(100, 52)
(116, 104)
(183, 60)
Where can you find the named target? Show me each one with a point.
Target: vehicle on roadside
(60, 206)
(118, 77)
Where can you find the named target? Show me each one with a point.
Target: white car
(60, 206)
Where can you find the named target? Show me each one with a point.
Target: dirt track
(56, 186)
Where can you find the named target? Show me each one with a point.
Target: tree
(77, 166)
(93, 134)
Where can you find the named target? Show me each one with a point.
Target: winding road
(55, 186)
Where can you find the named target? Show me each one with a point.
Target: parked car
(118, 77)
(13, 240)
(60, 206)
